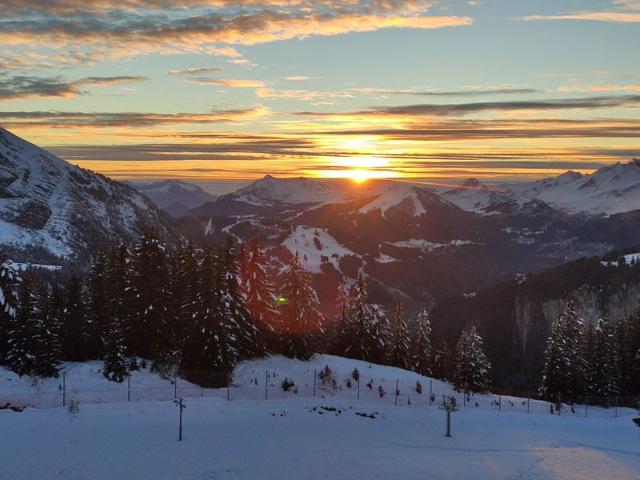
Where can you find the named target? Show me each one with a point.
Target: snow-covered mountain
(49, 207)
(609, 190)
(474, 196)
(174, 196)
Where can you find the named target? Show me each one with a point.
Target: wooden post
(499, 402)
(181, 406)
(448, 423)
(430, 392)
(396, 399)
(314, 382)
(64, 388)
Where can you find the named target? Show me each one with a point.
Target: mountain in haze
(50, 208)
(176, 197)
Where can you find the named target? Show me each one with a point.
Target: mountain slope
(49, 207)
(174, 196)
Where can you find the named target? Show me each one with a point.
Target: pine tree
(443, 363)
(243, 330)
(26, 332)
(421, 352)
(472, 367)
(258, 293)
(363, 326)
(8, 302)
(74, 323)
(148, 284)
(563, 369)
(301, 318)
(115, 348)
(98, 313)
(400, 347)
(115, 357)
(51, 306)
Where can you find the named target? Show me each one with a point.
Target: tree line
(591, 359)
(197, 312)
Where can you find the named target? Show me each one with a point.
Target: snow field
(306, 438)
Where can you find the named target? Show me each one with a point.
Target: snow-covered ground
(298, 436)
(305, 438)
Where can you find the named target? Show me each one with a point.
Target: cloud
(128, 27)
(300, 78)
(462, 109)
(195, 71)
(446, 93)
(55, 119)
(615, 17)
(299, 94)
(23, 86)
(229, 82)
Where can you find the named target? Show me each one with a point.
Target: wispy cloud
(622, 11)
(460, 109)
(55, 119)
(196, 71)
(23, 86)
(472, 92)
(229, 82)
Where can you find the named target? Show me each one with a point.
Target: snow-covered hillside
(315, 247)
(49, 204)
(295, 435)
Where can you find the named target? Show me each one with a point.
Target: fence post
(528, 402)
(586, 402)
(499, 402)
(314, 382)
(129, 388)
(430, 392)
(395, 402)
(64, 388)
(266, 384)
(181, 406)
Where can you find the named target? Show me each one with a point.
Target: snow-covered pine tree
(97, 308)
(562, 373)
(443, 362)
(421, 352)
(74, 322)
(148, 283)
(115, 357)
(26, 329)
(364, 330)
(628, 354)
(51, 305)
(115, 348)
(472, 365)
(258, 294)
(8, 301)
(209, 354)
(400, 342)
(301, 318)
(243, 330)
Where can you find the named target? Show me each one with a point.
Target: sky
(225, 92)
